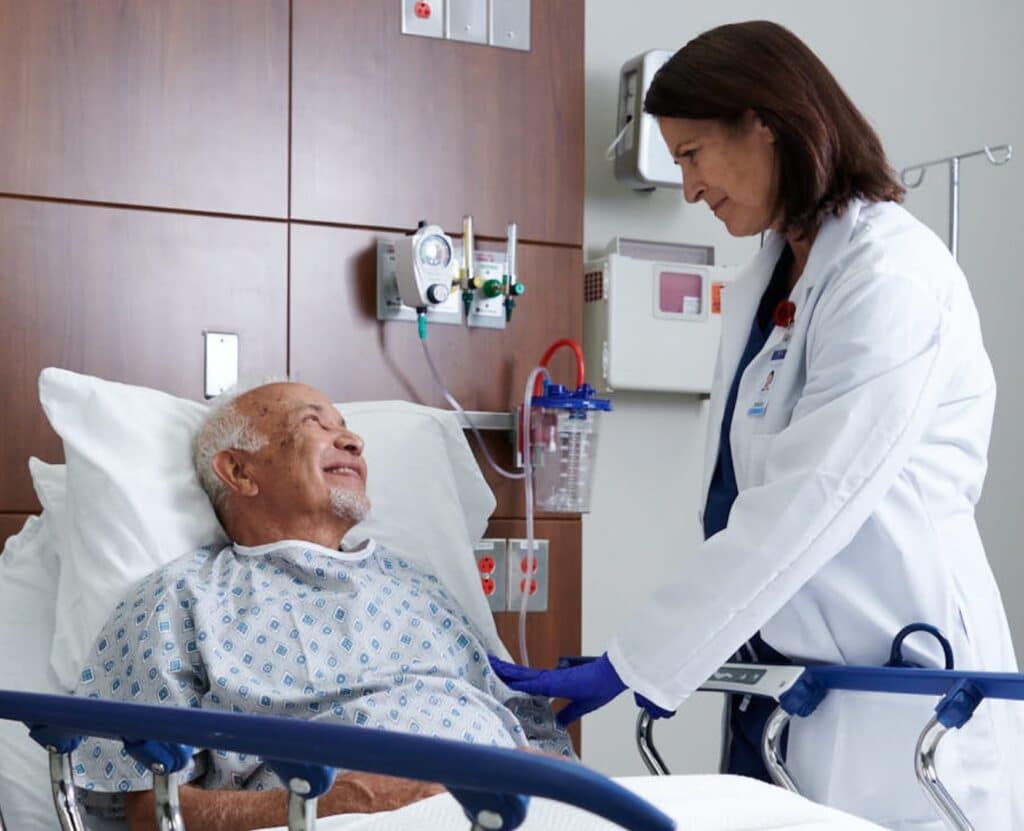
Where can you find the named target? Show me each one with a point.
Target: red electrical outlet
(491, 564)
(533, 584)
(422, 11)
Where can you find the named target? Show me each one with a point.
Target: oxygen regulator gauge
(425, 266)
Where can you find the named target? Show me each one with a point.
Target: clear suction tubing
(558, 439)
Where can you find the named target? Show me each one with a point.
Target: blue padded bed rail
(478, 776)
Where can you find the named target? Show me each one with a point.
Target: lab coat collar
(740, 300)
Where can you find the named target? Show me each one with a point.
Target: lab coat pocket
(756, 460)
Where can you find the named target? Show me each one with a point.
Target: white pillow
(134, 502)
(28, 594)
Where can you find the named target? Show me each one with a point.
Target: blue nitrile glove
(652, 709)
(587, 686)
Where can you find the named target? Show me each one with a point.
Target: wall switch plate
(518, 579)
(510, 24)
(221, 362)
(424, 18)
(466, 21)
(389, 302)
(492, 563)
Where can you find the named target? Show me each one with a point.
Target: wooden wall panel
(126, 295)
(389, 129)
(172, 103)
(339, 346)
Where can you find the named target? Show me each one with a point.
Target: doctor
(849, 427)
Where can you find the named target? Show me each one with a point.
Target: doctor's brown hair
(827, 152)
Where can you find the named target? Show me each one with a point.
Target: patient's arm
(205, 810)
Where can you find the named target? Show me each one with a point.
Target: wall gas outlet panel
(536, 583)
(389, 301)
(485, 312)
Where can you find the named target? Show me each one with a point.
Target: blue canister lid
(557, 397)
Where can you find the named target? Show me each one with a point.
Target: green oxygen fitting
(514, 291)
(493, 288)
(421, 322)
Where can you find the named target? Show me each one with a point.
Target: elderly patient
(284, 621)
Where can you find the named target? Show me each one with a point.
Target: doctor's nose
(693, 189)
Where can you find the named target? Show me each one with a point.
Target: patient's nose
(350, 442)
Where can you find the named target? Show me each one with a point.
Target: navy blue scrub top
(747, 716)
(723, 490)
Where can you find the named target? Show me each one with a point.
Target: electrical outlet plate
(517, 549)
(389, 302)
(510, 24)
(423, 17)
(492, 563)
(466, 21)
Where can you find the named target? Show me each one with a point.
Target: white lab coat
(855, 516)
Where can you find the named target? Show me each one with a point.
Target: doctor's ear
(233, 470)
(753, 122)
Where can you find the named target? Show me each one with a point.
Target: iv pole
(908, 177)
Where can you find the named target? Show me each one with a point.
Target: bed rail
(799, 690)
(492, 784)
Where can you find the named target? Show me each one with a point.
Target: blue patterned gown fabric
(293, 629)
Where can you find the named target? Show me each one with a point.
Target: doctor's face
(731, 168)
(312, 465)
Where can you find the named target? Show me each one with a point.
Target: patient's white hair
(225, 428)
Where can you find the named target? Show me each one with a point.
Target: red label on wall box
(716, 298)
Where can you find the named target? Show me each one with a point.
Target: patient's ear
(231, 468)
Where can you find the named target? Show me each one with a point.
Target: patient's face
(312, 465)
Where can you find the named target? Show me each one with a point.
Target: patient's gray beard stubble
(349, 505)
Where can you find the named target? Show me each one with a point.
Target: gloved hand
(653, 710)
(587, 686)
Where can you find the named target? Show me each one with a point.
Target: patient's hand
(369, 793)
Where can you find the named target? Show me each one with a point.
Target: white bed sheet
(696, 803)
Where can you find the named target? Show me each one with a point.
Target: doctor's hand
(587, 686)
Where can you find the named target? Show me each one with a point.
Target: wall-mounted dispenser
(641, 158)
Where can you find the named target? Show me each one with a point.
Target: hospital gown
(294, 629)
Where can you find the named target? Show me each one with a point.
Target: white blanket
(696, 803)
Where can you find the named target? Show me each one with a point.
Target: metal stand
(771, 750)
(645, 744)
(168, 806)
(924, 766)
(913, 176)
(63, 787)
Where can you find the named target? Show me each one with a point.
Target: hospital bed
(487, 785)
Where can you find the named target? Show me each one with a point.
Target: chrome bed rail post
(649, 754)
(168, 806)
(771, 750)
(301, 807)
(924, 766)
(62, 786)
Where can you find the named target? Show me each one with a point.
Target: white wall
(934, 77)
